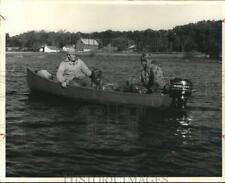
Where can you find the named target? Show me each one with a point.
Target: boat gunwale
(98, 91)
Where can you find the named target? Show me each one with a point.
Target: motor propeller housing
(180, 90)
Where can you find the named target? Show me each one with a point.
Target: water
(52, 137)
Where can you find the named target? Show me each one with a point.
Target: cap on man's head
(71, 52)
(145, 56)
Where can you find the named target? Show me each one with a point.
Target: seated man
(73, 71)
(152, 75)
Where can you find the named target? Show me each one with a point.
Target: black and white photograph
(114, 91)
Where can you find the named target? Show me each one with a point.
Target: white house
(132, 47)
(14, 48)
(68, 48)
(49, 49)
(86, 45)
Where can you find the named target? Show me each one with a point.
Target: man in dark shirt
(151, 75)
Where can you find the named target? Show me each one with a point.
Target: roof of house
(68, 46)
(90, 42)
(132, 46)
(13, 47)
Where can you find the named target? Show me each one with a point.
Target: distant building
(68, 48)
(132, 47)
(12, 48)
(86, 45)
(49, 49)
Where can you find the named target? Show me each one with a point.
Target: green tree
(190, 45)
(121, 43)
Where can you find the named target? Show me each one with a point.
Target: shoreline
(173, 55)
(161, 54)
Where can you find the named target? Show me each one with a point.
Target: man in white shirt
(73, 71)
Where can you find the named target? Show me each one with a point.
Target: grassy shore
(175, 56)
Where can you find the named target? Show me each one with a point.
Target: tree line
(203, 36)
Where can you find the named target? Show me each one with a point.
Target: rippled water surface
(50, 136)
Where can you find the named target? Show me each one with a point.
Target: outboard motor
(180, 90)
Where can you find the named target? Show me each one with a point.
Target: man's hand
(63, 84)
(166, 89)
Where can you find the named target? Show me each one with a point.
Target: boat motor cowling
(180, 90)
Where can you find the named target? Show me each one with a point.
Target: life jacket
(158, 76)
(154, 77)
(44, 74)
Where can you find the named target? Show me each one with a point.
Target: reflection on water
(104, 140)
(184, 130)
(97, 135)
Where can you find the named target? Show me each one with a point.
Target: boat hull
(155, 100)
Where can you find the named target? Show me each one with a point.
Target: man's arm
(85, 69)
(160, 77)
(60, 72)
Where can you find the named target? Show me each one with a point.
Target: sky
(88, 16)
